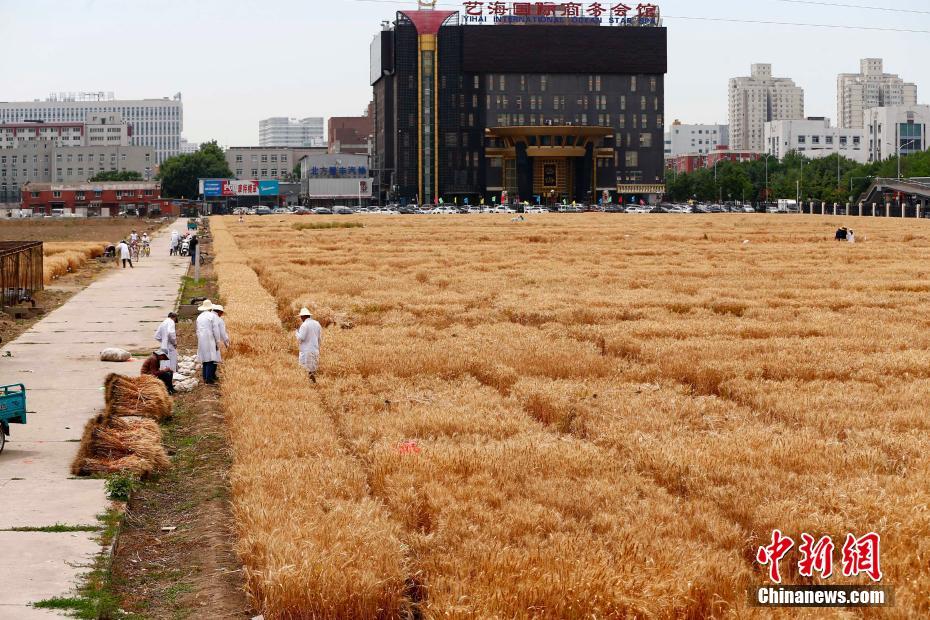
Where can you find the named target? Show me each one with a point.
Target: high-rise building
(682, 139)
(758, 99)
(155, 123)
(870, 88)
(188, 148)
(540, 109)
(292, 132)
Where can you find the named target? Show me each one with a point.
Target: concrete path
(58, 362)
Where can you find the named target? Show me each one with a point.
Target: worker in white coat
(124, 254)
(175, 242)
(208, 339)
(167, 337)
(309, 339)
(224, 335)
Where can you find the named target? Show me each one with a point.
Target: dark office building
(544, 112)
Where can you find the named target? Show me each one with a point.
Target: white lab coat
(175, 238)
(224, 336)
(167, 338)
(123, 251)
(309, 339)
(208, 337)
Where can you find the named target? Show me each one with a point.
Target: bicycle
(134, 252)
(146, 250)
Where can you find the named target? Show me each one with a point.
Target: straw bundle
(130, 396)
(111, 444)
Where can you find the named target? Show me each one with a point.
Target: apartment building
(682, 139)
(870, 88)
(758, 99)
(896, 130)
(291, 132)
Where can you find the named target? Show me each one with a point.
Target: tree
(113, 175)
(179, 175)
(296, 171)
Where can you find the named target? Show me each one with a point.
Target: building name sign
(217, 188)
(592, 13)
(336, 172)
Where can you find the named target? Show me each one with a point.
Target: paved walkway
(57, 360)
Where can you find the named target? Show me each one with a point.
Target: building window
(802, 139)
(622, 102)
(254, 172)
(645, 140)
(56, 194)
(264, 172)
(238, 172)
(238, 159)
(652, 84)
(632, 159)
(632, 83)
(503, 82)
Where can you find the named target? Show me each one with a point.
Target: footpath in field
(57, 360)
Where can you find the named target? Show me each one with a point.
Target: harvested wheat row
(60, 258)
(144, 395)
(112, 444)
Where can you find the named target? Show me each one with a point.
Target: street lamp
(767, 155)
(901, 148)
(719, 190)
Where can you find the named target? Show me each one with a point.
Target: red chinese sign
(641, 14)
(860, 556)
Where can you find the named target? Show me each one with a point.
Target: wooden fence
(20, 270)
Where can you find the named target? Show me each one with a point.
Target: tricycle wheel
(2, 439)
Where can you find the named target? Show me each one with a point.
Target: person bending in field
(309, 339)
(841, 234)
(152, 366)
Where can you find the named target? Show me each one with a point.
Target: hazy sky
(237, 61)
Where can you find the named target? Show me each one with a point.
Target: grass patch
(191, 288)
(326, 225)
(94, 598)
(55, 529)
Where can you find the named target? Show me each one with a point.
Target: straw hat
(218, 308)
(161, 352)
(206, 305)
(305, 312)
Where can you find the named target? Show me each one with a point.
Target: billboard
(226, 188)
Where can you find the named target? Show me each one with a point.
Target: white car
(637, 210)
(537, 210)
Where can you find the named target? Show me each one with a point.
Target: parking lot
(514, 209)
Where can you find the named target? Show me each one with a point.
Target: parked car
(263, 211)
(321, 211)
(748, 209)
(569, 209)
(537, 210)
(301, 211)
(342, 210)
(637, 209)
(282, 211)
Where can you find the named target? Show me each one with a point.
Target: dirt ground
(52, 297)
(73, 229)
(192, 571)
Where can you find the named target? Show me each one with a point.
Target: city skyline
(311, 59)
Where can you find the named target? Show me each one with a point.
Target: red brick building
(686, 164)
(96, 199)
(349, 134)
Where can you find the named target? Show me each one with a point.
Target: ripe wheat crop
(585, 416)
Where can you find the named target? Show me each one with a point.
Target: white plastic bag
(114, 355)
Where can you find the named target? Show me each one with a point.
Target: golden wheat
(587, 416)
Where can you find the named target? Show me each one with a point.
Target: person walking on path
(167, 337)
(208, 338)
(124, 255)
(152, 366)
(175, 243)
(309, 339)
(192, 249)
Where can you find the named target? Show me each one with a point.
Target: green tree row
(830, 179)
(179, 175)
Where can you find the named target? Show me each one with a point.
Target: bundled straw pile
(126, 437)
(120, 444)
(143, 396)
(62, 258)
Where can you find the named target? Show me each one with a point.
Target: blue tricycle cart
(12, 409)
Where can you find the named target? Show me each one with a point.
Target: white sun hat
(305, 312)
(218, 308)
(206, 305)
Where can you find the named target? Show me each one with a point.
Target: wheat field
(579, 416)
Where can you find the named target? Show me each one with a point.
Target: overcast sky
(237, 61)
